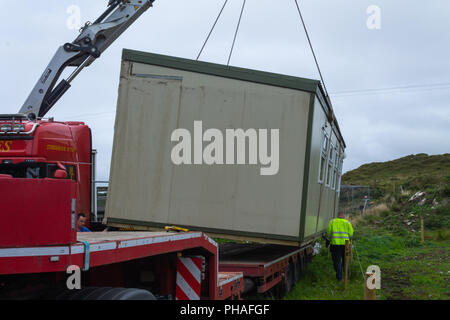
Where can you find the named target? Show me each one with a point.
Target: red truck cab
(35, 159)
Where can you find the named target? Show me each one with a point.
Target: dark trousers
(338, 255)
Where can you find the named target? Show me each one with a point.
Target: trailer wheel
(297, 270)
(288, 282)
(303, 263)
(105, 293)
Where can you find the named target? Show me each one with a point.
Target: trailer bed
(266, 264)
(257, 254)
(99, 248)
(95, 249)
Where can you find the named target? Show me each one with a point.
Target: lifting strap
(86, 255)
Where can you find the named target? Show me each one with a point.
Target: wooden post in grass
(422, 229)
(369, 294)
(346, 264)
(351, 252)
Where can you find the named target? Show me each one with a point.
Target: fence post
(422, 229)
(351, 251)
(369, 294)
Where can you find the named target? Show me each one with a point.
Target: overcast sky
(410, 52)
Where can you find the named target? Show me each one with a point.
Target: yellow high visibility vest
(339, 230)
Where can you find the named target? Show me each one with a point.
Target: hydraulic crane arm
(93, 40)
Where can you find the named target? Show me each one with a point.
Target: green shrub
(376, 192)
(433, 222)
(412, 241)
(395, 207)
(385, 214)
(443, 211)
(443, 235)
(421, 210)
(446, 190)
(403, 198)
(369, 219)
(440, 219)
(402, 232)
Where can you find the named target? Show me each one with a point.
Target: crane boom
(93, 40)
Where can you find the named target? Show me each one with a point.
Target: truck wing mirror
(61, 172)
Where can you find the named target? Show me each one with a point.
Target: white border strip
(283, 257)
(224, 282)
(102, 246)
(34, 252)
(152, 240)
(95, 247)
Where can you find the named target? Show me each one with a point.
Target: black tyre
(288, 279)
(104, 293)
(297, 270)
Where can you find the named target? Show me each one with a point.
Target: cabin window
(322, 169)
(324, 143)
(339, 174)
(329, 174)
(323, 157)
(331, 158)
(334, 179)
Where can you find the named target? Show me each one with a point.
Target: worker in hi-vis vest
(339, 230)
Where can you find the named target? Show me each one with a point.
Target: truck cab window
(34, 170)
(32, 173)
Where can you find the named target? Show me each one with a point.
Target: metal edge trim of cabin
(304, 202)
(221, 70)
(205, 230)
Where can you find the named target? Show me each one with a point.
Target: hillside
(388, 233)
(406, 175)
(403, 189)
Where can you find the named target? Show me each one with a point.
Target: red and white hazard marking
(189, 277)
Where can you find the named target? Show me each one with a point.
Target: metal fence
(354, 199)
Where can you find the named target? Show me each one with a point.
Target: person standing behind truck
(339, 230)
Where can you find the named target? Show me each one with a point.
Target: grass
(388, 234)
(318, 282)
(377, 210)
(408, 270)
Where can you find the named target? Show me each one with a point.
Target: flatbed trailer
(265, 266)
(104, 258)
(170, 265)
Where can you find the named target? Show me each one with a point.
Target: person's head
(81, 220)
(341, 214)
